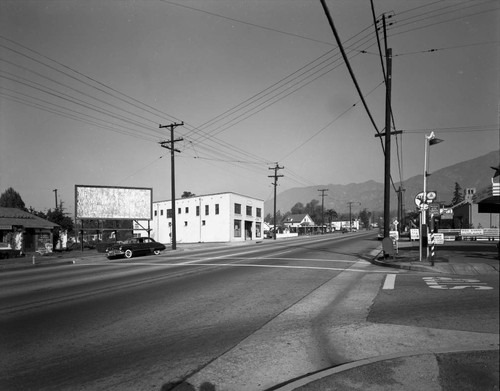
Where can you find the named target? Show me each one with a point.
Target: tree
(11, 199)
(57, 216)
(187, 194)
(365, 216)
(313, 209)
(297, 209)
(458, 195)
(37, 213)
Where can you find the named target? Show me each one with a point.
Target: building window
(185, 223)
(203, 222)
(249, 210)
(237, 228)
(187, 209)
(179, 211)
(169, 213)
(237, 209)
(197, 211)
(156, 213)
(206, 210)
(258, 212)
(161, 212)
(216, 209)
(258, 230)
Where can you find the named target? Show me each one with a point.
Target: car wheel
(156, 252)
(128, 253)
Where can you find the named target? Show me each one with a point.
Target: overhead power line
(274, 30)
(346, 61)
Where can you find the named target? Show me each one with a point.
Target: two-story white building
(223, 217)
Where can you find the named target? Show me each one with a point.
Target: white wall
(205, 227)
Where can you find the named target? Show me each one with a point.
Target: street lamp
(429, 140)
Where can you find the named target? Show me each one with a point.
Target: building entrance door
(248, 230)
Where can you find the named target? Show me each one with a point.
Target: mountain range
(474, 173)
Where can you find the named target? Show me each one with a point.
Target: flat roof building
(222, 217)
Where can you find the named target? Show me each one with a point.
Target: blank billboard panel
(113, 203)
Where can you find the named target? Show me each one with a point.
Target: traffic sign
(434, 208)
(419, 198)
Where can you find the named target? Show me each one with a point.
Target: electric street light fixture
(429, 140)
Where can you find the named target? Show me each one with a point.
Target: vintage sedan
(135, 246)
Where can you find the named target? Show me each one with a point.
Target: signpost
(422, 200)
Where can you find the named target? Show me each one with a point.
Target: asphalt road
(240, 318)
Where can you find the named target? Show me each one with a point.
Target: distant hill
(471, 173)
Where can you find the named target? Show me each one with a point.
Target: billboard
(113, 203)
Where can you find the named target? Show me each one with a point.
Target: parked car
(135, 246)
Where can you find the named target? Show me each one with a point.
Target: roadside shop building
(23, 231)
(222, 217)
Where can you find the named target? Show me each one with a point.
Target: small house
(24, 232)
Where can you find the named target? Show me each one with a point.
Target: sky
(85, 86)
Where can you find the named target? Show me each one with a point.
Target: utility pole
(400, 192)
(387, 135)
(55, 191)
(164, 144)
(323, 209)
(275, 183)
(350, 220)
(387, 166)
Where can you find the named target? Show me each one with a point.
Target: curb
(417, 268)
(309, 378)
(16, 267)
(439, 268)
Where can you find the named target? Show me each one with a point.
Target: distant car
(135, 246)
(344, 230)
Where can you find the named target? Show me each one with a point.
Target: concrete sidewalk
(463, 258)
(432, 369)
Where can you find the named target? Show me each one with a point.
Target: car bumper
(115, 253)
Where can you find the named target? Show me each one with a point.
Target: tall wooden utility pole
(387, 166)
(401, 208)
(387, 134)
(164, 144)
(323, 209)
(275, 183)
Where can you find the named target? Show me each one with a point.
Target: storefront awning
(488, 199)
